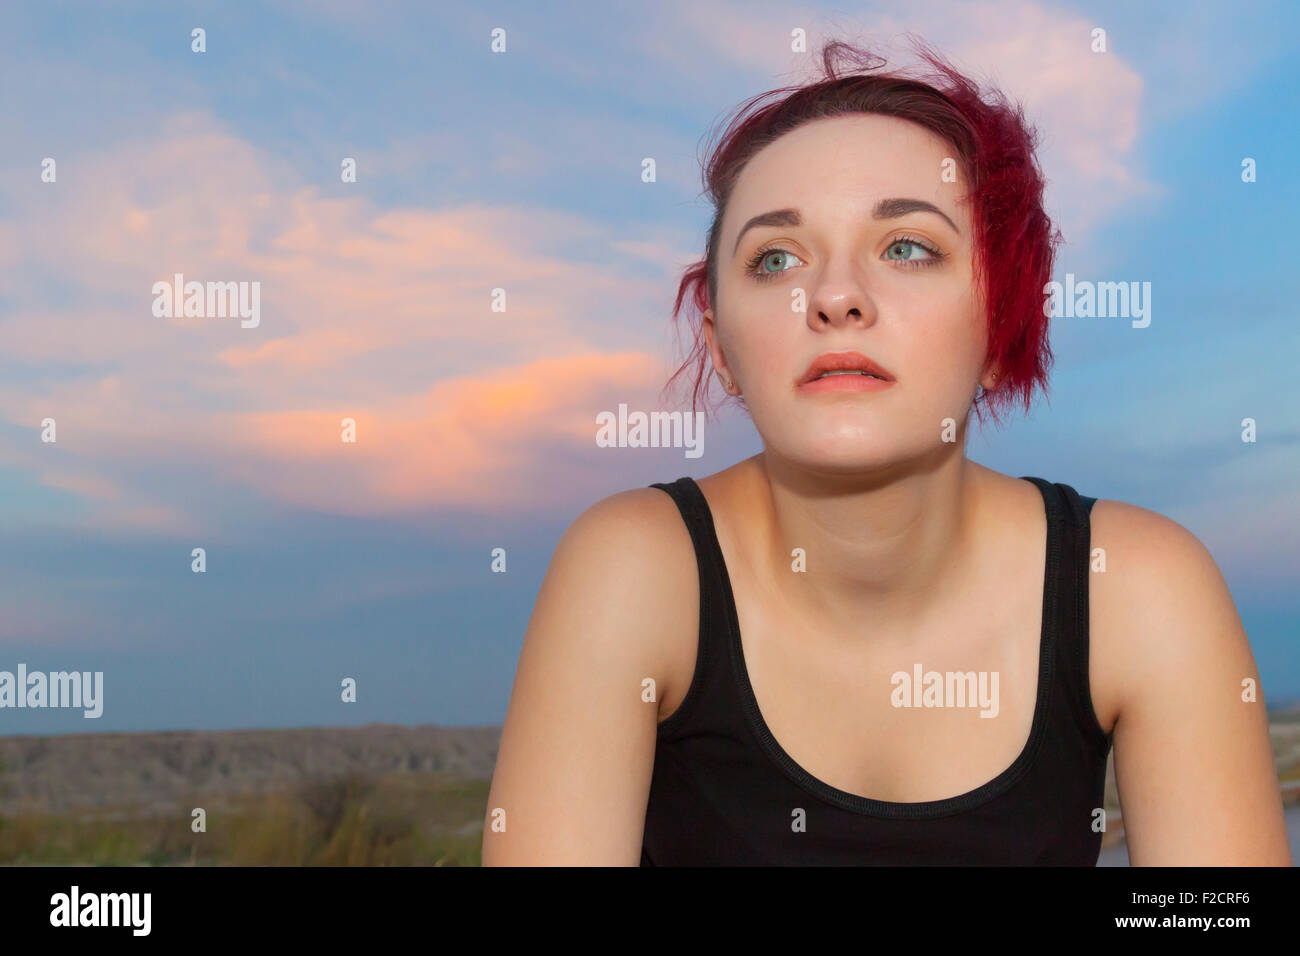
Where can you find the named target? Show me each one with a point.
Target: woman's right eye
(770, 256)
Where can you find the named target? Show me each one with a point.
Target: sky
(521, 170)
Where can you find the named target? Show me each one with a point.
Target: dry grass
(391, 820)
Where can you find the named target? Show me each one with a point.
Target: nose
(840, 301)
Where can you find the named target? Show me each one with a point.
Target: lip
(839, 362)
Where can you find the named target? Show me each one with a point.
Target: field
(352, 796)
(378, 795)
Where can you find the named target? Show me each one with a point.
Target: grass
(395, 820)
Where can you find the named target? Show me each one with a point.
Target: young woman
(859, 646)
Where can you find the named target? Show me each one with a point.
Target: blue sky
(478, 170)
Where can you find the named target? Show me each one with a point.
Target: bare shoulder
(643, 511)
(576, 756)
(1154, 569)
(632, 550)
(1194, 767)
(1156, 596)
(636, 536)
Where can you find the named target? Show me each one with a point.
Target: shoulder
(1189, 707)
(1143, 554)
(625, 570)
(579, 738)
(1158, 598)
(627, 532)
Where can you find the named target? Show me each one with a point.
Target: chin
(852, 453)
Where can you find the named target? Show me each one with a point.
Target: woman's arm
(1193, 763)
(573, 771)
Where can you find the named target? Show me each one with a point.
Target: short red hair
(1015, 241)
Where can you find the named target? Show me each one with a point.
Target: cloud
(1086, 105)
(469, 442)
(382, 315)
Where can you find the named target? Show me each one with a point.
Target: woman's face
(893, 284)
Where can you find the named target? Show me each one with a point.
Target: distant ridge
(1285, 711)
(157, 769)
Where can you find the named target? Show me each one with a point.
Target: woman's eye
(768, 263)
(906, 249)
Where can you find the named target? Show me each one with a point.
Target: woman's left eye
(913, 253)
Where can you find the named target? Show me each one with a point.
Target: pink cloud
(87, 485)
(469, 441)
(384, 315)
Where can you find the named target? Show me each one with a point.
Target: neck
(883, 548)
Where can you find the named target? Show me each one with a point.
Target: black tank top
(725, 792)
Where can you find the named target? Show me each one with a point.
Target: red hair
(1015, 242)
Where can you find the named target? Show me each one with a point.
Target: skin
(915, 553)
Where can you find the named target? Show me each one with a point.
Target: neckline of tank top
(869, 806)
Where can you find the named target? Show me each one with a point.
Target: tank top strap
(709, 681)
(1073, 549)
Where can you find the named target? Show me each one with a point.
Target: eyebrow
(885, 209)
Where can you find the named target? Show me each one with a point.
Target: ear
(715, 354)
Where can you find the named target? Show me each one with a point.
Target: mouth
(844, 371)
